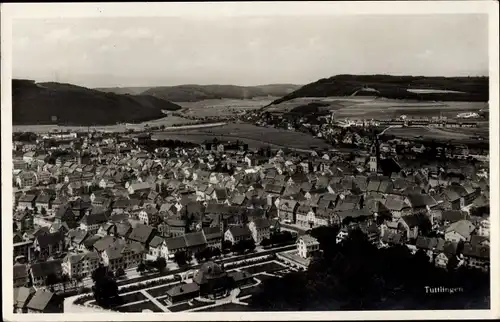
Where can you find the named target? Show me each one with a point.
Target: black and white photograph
(223, 160)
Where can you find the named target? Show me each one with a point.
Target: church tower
(375, 156)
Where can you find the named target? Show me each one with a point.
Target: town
(124, 222)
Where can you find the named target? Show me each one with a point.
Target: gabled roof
(212, 233)
(141, 233)
(41, 300)
(156, 241)
(462, 227)
(44, 269)
(175, 243)
(240, 231)
(195, 239)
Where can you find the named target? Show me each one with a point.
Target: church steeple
(375, 155)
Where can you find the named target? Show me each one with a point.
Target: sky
(165, 51)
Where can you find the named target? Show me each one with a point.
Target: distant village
(117, 200)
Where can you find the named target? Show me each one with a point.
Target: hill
(124, 90)
(397, 87)
(38, 103)
(194, 93)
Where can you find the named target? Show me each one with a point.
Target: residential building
(307, 246)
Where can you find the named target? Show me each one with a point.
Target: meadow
(222, 107)
(255, 136)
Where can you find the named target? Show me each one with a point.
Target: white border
(217, 9)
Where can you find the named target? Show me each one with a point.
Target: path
(155, 301)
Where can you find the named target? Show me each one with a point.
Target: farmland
(253, 135)
(353, 107)
(222, 107)
(167, 121)
(460, 134)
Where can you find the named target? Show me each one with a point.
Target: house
(46, 245)
(44, 301)
(122, 255)
(44, 201)
(149, 216)
(142, 234)
(476, 256)
(307, 246)
(287, 210)
(26, 201)
(22, 298)
(172, 245)
(23, 220)
(93, 221)
(27, 179)
(20, 274)
(213, 236)
(80, 265)
(175, 227)
(484, 227)
(195, 241)
(41, 270)
(260, 228)
(140, 187)
(237, 233)
(459, 231)
(75, 239)
(155, 247)
(24, 249)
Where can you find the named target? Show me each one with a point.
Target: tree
(199, 255)
(141, 268)
(181, 258)
(44, 211)
(120, 272)
(161, 264)
(216, 252)
(52, 279)
(265, 242)
(227, 245)
(105, 288)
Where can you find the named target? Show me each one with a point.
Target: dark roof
(41, 300)
(208, 271)
(476, 251)
(156, 241)
(212, 233)
(44, 269)
(174, 243)
(240, 231)
(417, 200)
(453, 215)
(141, 233)
(44, 240)
(24, 294)
(426, 242)
(261, 223)
(94, 218)
(20, 271)
(195, 239)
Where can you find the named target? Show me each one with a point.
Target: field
(167, 121)
(371, 107)
(458, 134)
(222, 107)
(255, 136)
